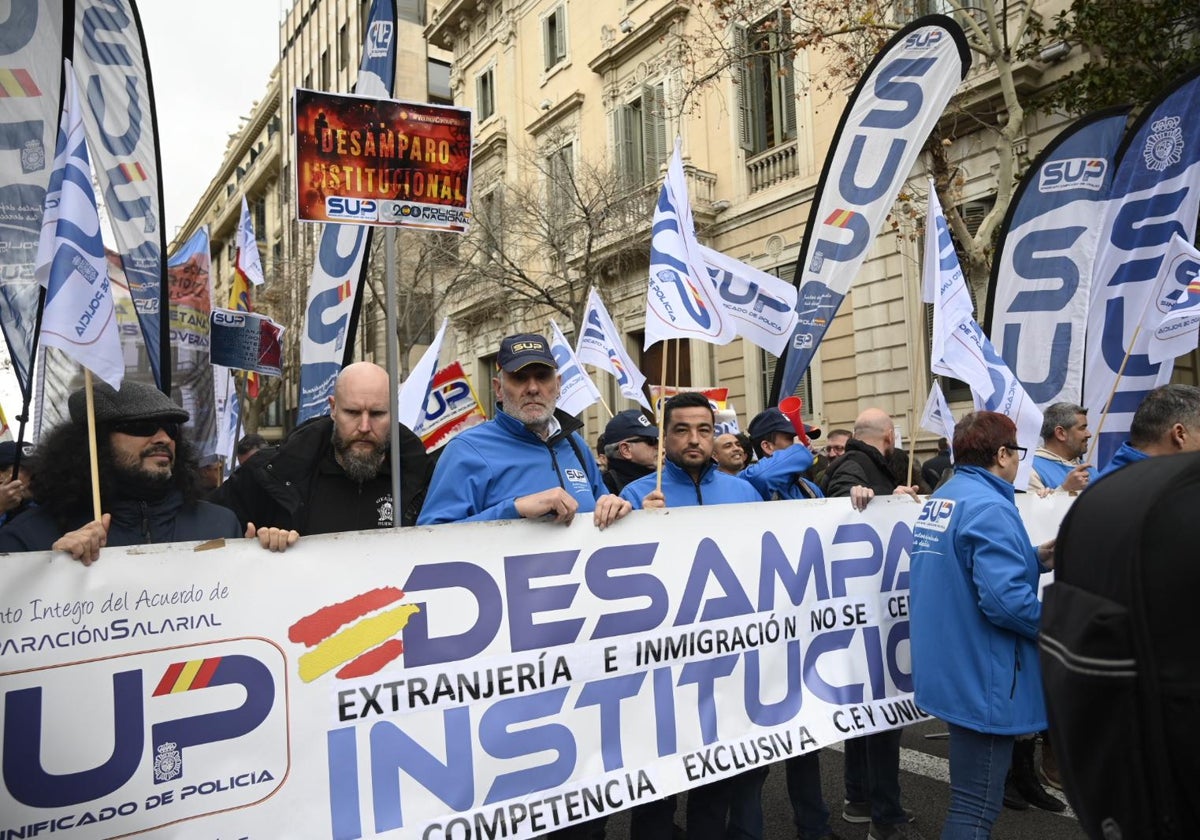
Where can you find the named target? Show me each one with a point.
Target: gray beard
(358, 466)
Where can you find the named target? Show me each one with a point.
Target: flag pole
(93, 456)
(393, 364)
(1113, 393)
(912, 440)
(662, 398)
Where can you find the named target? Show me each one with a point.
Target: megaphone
(791, 408)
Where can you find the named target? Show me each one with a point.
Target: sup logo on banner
(339, 207)
(1073, 174)
(184, 732)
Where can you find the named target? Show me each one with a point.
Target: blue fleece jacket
(680, 490)
(974, 610)
(778, 476)
(1054, 471)
(1123, 457)
(487, 468)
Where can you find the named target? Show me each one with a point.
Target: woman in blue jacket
(974, 619)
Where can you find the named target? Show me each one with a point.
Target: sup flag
(414, 392)
(249, 265)
(600, 345)
(452, 408)
(896, 104)
(1155, 195)
(1177, 332)
(1042, 273)
(228, 416)
(576, 389)
(79, 317)
(247, 341)
(119, 111)
(32, 36)
(966, 353)
(681, 302)
(936, 418)
(762, 306)
(327, 340)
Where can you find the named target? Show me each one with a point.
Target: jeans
(804, 790)
(873, 775)
(978, 765)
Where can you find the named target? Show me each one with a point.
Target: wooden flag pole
(92, 450)
(661, 418)
(1112, 394)
(912, 439)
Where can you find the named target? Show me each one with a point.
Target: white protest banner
(503, 677)
(247, 341)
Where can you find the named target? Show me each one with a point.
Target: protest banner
(495, 679)
(247, 341)
(382, 162)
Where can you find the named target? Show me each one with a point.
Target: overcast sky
(210, 61)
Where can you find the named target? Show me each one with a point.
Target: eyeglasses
(648, 441)
(1019, 451)
(834, 449)
(147, 428)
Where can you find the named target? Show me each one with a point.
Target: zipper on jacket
(1016, 670)
(146, 535)
(554, 464)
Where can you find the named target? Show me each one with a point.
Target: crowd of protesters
(974, 602)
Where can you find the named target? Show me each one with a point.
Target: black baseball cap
(9, 449)
(767, 423)
(522, 350)
(627, 424)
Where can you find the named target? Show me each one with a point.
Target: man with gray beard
(333, 473)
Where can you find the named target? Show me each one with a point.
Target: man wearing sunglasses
(148, 480)
(631, 445)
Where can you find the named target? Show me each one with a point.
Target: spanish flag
(239, 299)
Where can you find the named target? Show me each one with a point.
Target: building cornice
(640, 38)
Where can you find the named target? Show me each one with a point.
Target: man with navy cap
(631, 445)
(529, 461)
(780, 471)
(148, 480)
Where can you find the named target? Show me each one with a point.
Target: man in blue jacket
(690, 477)
(529, 461)
(1166, 423)
(779, 472)
(1058, 463)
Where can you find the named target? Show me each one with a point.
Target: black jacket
(133, 523)
(274, 488)
(861, 464)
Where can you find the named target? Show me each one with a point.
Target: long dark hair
(61, 475)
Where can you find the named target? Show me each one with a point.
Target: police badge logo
(168, 764)
(385, 510)
(33, 156)
(1164, 146)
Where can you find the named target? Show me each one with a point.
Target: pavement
(925, 787)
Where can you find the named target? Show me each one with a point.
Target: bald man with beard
(332, 473)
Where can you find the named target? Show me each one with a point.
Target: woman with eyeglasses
(974, 614)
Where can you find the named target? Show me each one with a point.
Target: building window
(412, 11)
(439, 82)
(766, 83)
(325, 70)
(560, 182)
(554, 36)
(487, 222)
(640, 131)
(258, 213)
(679, 361)
(344, 46)
(485, 94)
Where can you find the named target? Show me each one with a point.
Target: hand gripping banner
(897, 103)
